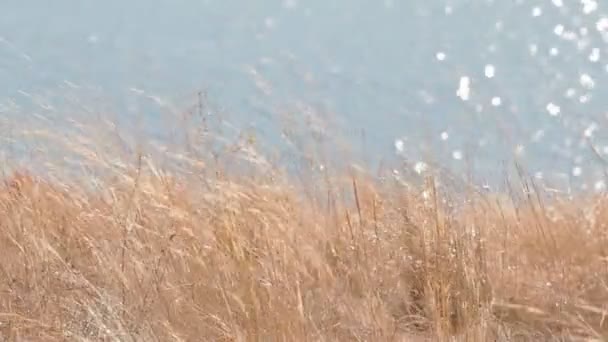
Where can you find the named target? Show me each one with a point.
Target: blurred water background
(467, 84)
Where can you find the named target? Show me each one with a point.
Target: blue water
(385, 70)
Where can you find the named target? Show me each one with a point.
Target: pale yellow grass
(147, 254)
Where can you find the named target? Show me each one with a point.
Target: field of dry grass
(142, 252)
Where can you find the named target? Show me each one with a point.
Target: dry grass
(148, 254)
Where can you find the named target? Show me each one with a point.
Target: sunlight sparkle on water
(553, 51)
(570, 93)
(559, 29)
(553, 109)
(464, 88)
(590, 130)
(586, 81)
(489, 71)
(589, 6)
(399, 145)
(594, 56)
(602, 25)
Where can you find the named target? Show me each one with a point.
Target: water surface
(464, 83)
